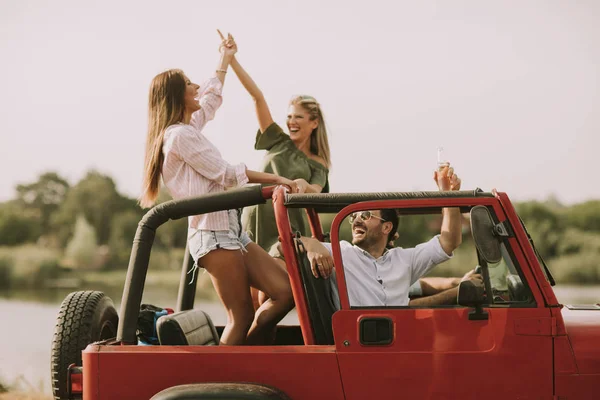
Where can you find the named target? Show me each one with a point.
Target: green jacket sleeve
(272, 136)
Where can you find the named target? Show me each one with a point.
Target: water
(28, 320)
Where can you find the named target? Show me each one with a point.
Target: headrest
(190, 327)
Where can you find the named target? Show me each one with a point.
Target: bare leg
(261, 297)
(230, 279)
(270, 278)
(257, 296)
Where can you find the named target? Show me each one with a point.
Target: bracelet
(222, 70)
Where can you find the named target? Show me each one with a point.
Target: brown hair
(319, 144)
(166, 107)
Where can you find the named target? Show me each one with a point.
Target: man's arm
(447, 297)
(434, 285)
(320, 258)
(451, 232)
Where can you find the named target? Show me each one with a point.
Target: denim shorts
(201, 242)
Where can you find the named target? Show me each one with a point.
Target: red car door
(443, 353)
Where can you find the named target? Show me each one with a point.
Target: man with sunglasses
(379, 276)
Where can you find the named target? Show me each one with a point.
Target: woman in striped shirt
(190, 165)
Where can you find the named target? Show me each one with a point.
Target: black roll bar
(187, 283)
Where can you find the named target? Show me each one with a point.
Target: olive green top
(284, 159)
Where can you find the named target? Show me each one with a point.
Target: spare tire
(84, 317)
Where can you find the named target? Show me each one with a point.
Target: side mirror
(482, 227)
(470, 294)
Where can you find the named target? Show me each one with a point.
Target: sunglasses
(364, 216)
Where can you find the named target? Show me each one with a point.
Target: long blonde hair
(319, 144)
(166, 107)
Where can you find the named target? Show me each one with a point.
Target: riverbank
(9, 392)
(16, 395)
(110, 282)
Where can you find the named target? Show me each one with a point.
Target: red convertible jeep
(510, 340)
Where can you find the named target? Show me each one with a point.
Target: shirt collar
(366, 253)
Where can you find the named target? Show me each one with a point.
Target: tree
(174, 233)
(17, 225)
(82, 248)
(122, 234)
(97, 199)
(584, 216)
(43, 197)
(545, 226)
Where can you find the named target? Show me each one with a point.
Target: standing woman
(190, 165)
(302, 156)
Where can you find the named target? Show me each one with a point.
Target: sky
(510, 89)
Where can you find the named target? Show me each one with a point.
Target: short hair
(390, 215)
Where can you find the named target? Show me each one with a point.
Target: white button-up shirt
(384, 281)
(193, 166)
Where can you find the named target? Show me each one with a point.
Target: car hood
(583, 329)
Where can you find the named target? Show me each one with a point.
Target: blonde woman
(190, 165)
(302, 155)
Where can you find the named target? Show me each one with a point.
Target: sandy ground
(24, 396)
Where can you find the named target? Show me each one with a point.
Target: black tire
(221, 391)
(84, 317)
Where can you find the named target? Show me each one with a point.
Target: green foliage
(17, 224)
(43, 197)
(545, 226)
(583, 268)
(6, 267)
(584, 216)
(96, 197)
(121, 237)
(81, 251)
(28, 266)
(173, 233)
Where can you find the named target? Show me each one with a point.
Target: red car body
(541, 351)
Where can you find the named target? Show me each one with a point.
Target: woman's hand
(290, 183)
(228, 45)
(302, 185)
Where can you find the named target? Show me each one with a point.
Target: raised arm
(210, 98)
(262, 108)
(451, 232)
(227, 48)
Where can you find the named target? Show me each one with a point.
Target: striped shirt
(193, 166)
